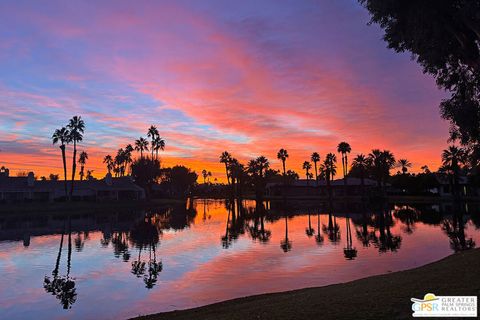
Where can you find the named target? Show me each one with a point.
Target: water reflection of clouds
(196, 269)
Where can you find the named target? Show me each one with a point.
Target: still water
(132, 262)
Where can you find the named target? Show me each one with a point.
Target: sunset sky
(249, 77)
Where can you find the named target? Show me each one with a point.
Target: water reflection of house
(310, 188)
(28, 189)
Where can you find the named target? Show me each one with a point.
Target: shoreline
(376, 297)
(79, 206)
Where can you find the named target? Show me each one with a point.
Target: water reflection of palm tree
(333, 229)
(145, 235)
(362, 233)
(120, 245)
(286, 244)
(386, 241)
(349, 251)
(63, 287)
(257, 229)
(408, 216)
(309, 231)
(226, 240)
(455, 230)
(319, 236)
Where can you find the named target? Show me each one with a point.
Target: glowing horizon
(249, 78)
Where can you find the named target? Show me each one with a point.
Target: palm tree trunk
(64, 158)
(316, 173)
(226, 172)
(74, 167)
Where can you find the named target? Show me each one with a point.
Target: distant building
(14, 189)
(310, 188)
(444, 186)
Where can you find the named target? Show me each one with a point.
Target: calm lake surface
(131, 262)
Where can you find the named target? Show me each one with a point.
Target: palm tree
(89, 175)
(128, 157)
(451, 160)
(76, 126)
(152, 133)
(120, 162)
(226, 158)
(381, 162)
(159, 144)
(108, 160)
(315, 158)
(262, 164)
(404, 164)
(63, 136)
(283, 155)
(205, 175)
(307, 166)
(141, 144)
(361, 164)
(82, 159)
(344, 148)
(330, 169)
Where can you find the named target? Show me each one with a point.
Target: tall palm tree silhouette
(315, 157)
(62, 136)
(141, 144)
(283, 155)
(404, 164)
(152, 133)
(307, 166)
(76, 127)
(108, 160)
(344, 148)
(82, 159)
(226, 158)
(128, 157)
(159, 144)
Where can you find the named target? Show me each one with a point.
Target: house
(444, 186)
(310, 188)
(13, 189)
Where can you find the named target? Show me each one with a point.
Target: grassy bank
(78, 206)
(379, 297)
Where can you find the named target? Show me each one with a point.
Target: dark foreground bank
(378, 297)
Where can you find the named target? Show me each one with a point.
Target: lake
(120, 264)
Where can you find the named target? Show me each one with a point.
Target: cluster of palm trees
(206, 174)
(72, 133)
(377, 165)
(120, 165)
